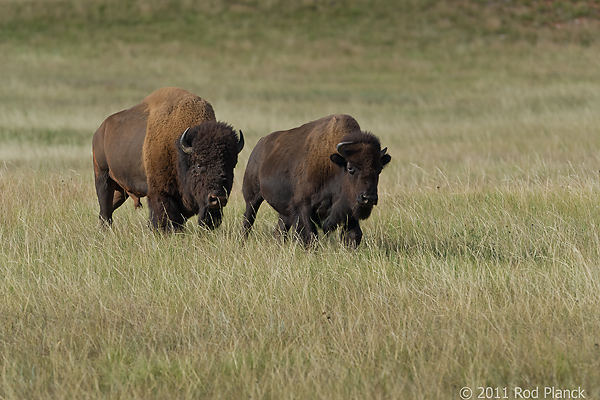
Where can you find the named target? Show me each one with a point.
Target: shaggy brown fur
(136, 151)
(308, 179)
(170, 112)
(328, 132)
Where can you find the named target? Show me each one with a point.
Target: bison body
(143, 151)
(324, 173)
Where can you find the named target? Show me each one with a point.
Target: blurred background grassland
(462, 65)
(479, 266)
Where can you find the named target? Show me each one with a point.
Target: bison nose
(368, 199)
(216, 202)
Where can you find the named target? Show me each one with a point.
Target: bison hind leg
(107, 191)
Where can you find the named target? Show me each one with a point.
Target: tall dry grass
(449, 290)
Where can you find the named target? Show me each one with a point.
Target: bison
(170, 148)
(322, 173)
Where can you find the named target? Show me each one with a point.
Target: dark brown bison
(322, 173)
(170, 148)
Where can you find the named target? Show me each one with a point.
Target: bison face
(207, 156)
(362, 163)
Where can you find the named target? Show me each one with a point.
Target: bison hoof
(105, 223)
(352, 239)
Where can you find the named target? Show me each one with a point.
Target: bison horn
(185, 146)
(383, 152)
(340, 148)
(240, 142)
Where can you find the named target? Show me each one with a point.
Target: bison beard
(168, 214)
(360, 212)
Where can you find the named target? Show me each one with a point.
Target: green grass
(479, 267)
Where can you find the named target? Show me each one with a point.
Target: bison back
(295, 162)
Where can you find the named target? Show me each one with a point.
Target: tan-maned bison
(170, 148)
(322, 173)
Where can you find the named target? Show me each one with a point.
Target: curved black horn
(383, 152)
(340, 148)
(183, 142)
(240, 142)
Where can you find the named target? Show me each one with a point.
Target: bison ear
(337, 159)
(240, 145)
(385, 159)
(185, 143)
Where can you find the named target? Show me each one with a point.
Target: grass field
(480, 267)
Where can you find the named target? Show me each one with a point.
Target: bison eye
(199, 169)
(351, 170)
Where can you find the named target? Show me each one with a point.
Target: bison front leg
(252, 206)
(165, 213)
(306, 228)
(283, 226)
(338, 215)
(332, 221)
(351, 233)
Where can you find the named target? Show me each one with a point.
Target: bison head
(362, 160)
(207, 156)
